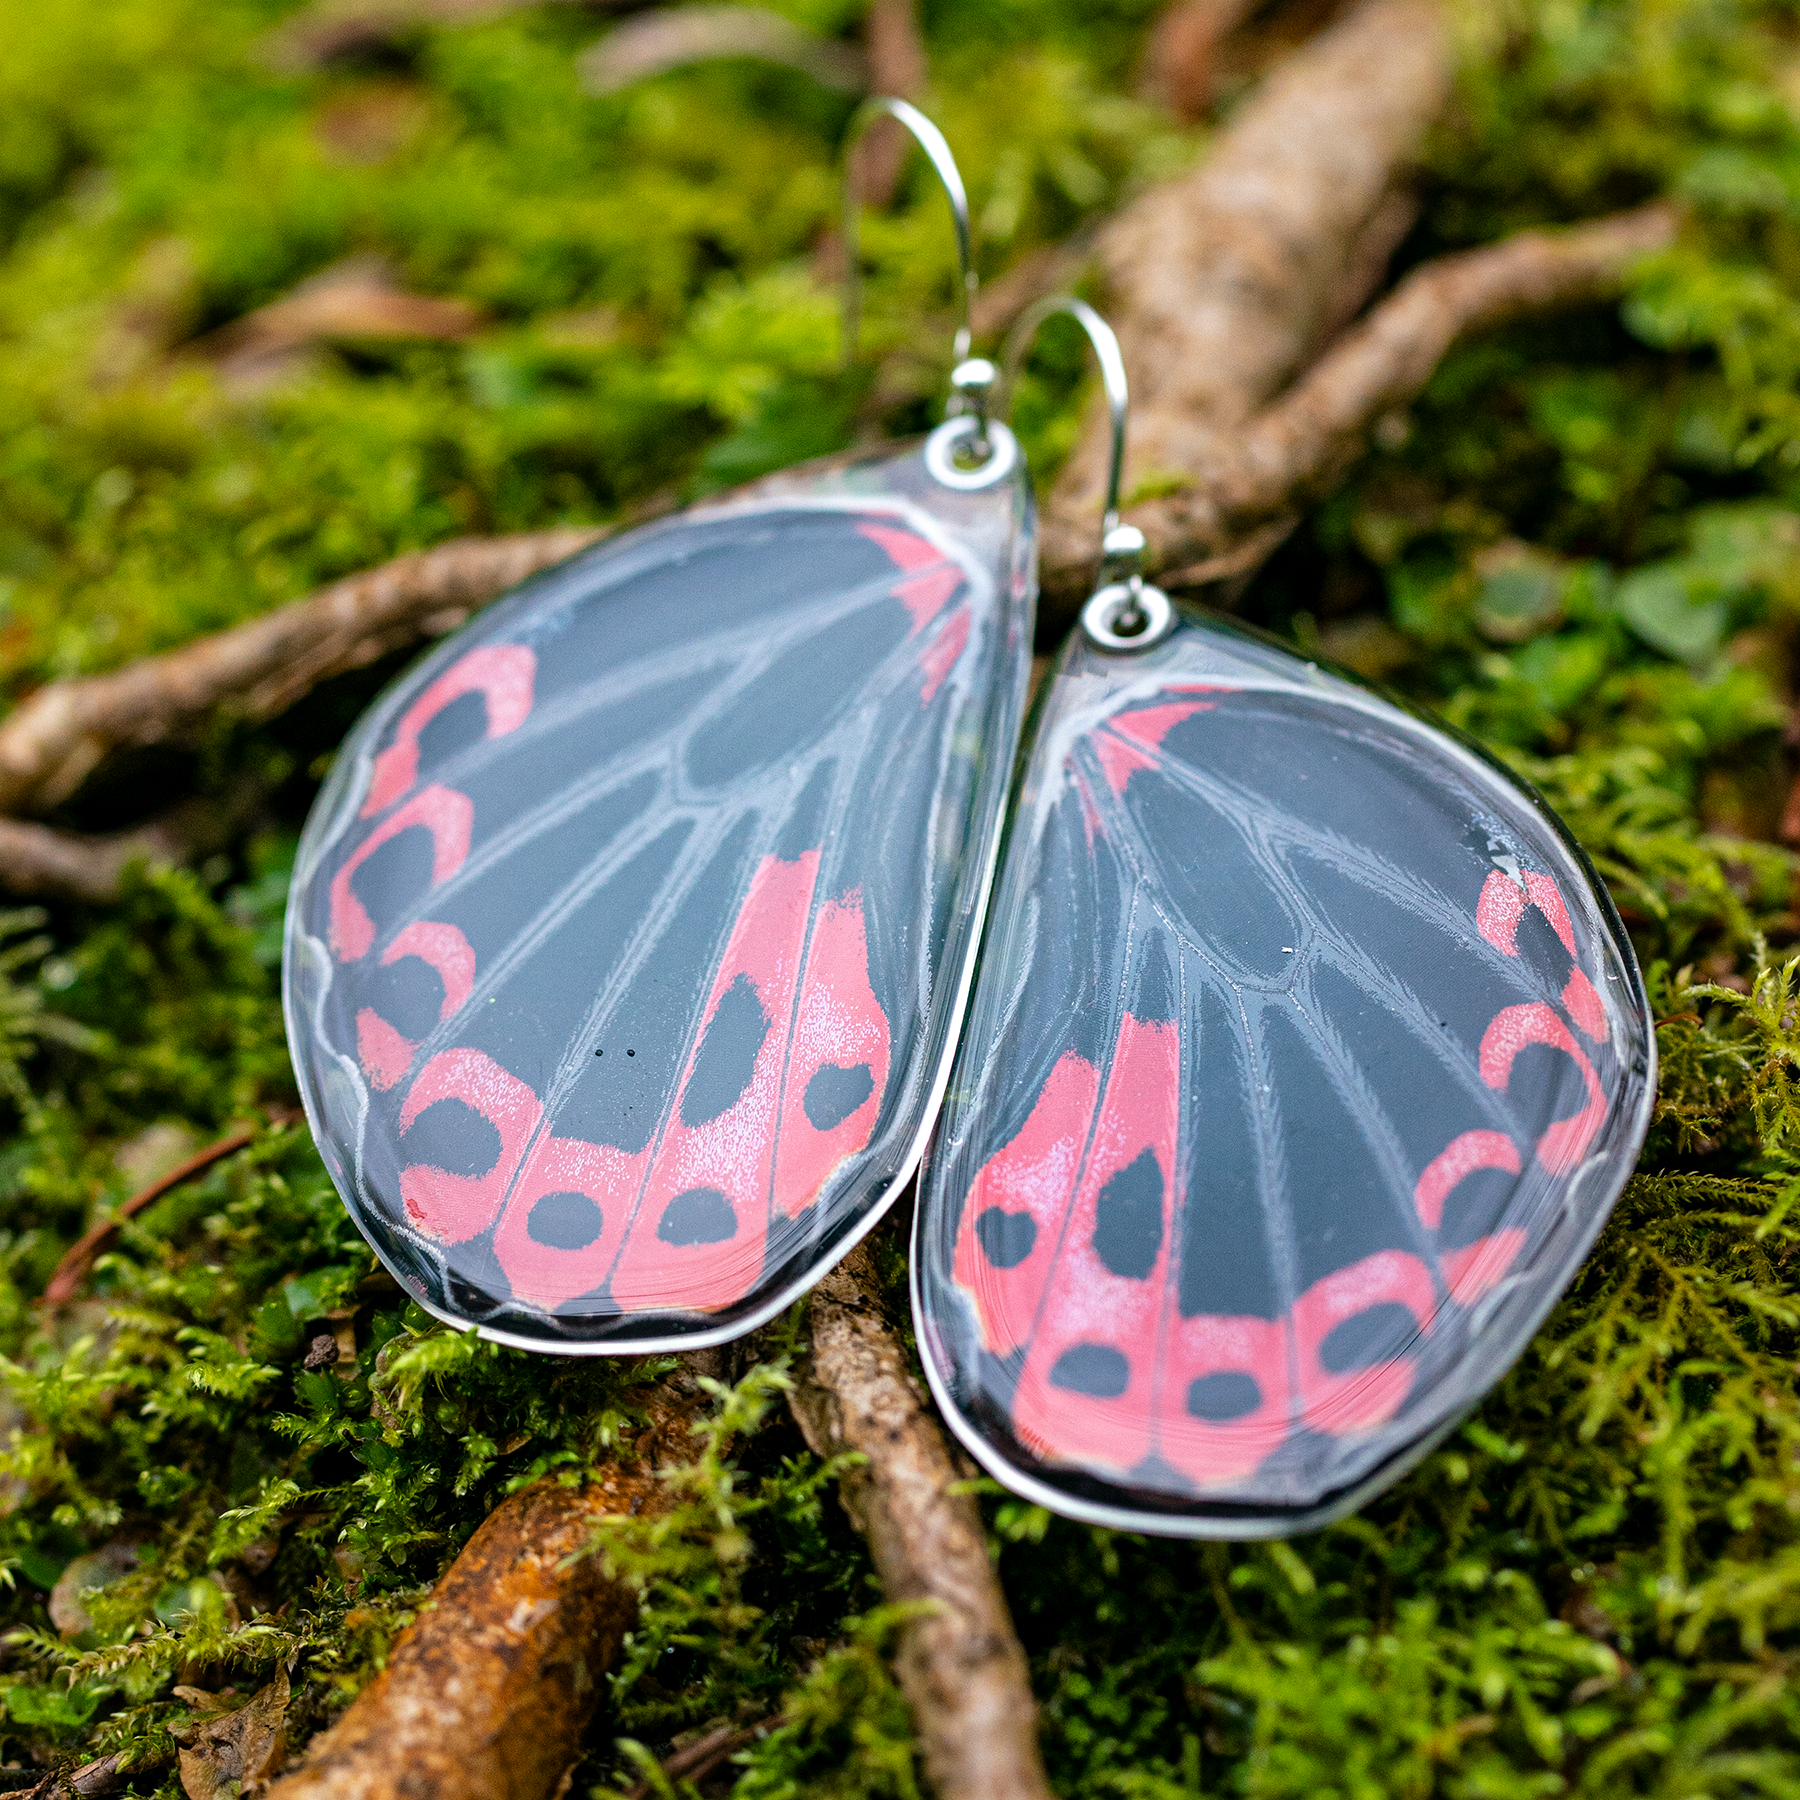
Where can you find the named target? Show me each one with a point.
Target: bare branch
(1181, 58)
(961, 1666)
(329, 29)
(357, 299)
(65, 1282)
(1221, 277)
(896, 52)
(655, 42)
(1290, 452)
(41, 863)
(489, 1690)
(53, 739)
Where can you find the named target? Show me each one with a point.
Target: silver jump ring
(1125, 613)
(992, 441)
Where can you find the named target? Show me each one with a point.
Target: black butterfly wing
(1306, 1060)
(629, 936)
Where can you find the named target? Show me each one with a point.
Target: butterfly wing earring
(1306, 1060)
(631, 933)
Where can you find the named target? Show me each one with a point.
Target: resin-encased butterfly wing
(630, 936)
(1306, 1059)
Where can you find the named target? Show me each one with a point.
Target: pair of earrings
(633, 934)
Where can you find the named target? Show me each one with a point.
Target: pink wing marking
(1028, 1179)
(385, 1054)
(455, 1208)
(446, 814)
(504, 674)
(444, 949)
(728, 1160)
(1497, 915)
(1087, 1391)
(1128, 742)
(1564, 1143)
(930, 578)
(1471, 1271)
(839, 1025)
(941, 658)
(551, 1274)
(1356, 1399)
(1463, 1156)
(1213, 1453)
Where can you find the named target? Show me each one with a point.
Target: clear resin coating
(630, 935)
(1306, 1059)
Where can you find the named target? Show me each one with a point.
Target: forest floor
(239, 1460)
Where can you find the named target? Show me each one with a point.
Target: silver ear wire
(1124, 612)
(931, 141)
(966, 451)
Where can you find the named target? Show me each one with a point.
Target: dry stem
(487, 1693)
(673, 38)
(1293, 449)
(51, 742)
(961, 1664)
(1220, 278)
(65, 1281)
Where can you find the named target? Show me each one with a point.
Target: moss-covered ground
(1583, 544)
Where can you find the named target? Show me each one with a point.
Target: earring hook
(1124, 612)
(931, 141)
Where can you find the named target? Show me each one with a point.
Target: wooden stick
(961, 1665)
(69, 1274)
(489, 1690)
(51, 741)
(1220, 278)
(1289, 453)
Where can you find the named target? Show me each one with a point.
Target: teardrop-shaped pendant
(630, 936)
(1306, 1060)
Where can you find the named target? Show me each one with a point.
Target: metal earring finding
(1124, 613)
(970, 450)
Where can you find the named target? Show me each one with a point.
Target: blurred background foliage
(1582, 545)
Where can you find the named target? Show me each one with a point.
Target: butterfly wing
(1306, 1061)
(630, 934)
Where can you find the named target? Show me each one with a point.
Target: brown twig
(1231, 494)
(896, 55)
(960, 1664)
(1219, 279)
(673, 38)
(330, 29)
(1181, 57)
(42, 863)
(69, 1274)
(489, 1690)
(1286, 455)
(695, 1761)
(358, 299)
(54, 739)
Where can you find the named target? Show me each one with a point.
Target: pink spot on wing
(1497, 916)
(1356, 1399)
(454, 1208)
(1466, 1154)
(941, 658)
(1516, 1028)
(931, 577)
(442, 948)
(1129, 741)
(450, 819)
(1473, 1270)
(385, 1055)
(503, 674)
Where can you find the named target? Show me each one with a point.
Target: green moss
(1584, 547)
